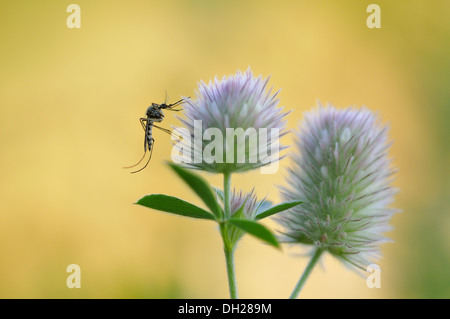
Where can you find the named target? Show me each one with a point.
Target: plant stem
(306, 273)
(228, 249)
(227, 194)
(229, 257)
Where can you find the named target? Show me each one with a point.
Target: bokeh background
(70, 102)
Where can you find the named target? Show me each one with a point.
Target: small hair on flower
(342, 172)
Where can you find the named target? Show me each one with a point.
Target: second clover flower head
(244, 206)
(244, 122)
(342, 172)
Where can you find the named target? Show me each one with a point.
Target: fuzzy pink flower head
(238, 102)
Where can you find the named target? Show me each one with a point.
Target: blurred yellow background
(70, 104)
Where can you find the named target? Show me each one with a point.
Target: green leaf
(174, 205)
(255, 229)
(278, 208)
(200, 187)
(239, 214)
(263, 205)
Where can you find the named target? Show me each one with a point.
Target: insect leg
(137, 162)
(151, 151)
(167, 131)
(175, 104)
(141, 120)
(145, 152)
(163, 129)
(144, 126)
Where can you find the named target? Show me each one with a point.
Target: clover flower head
(238, 103)
(244, 206)
(342, 172)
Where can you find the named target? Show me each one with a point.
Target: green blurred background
(70, 103)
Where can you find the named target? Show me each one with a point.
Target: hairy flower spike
(342, 172)
(237, 102)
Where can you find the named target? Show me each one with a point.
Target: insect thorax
(154, 113)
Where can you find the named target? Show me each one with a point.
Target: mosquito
(154, 114)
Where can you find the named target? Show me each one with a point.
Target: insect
(154, 115)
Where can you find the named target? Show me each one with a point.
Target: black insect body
(154, 114)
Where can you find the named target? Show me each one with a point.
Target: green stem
(306, 273)
(229, 257)
(228, 249)
(227, 194)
